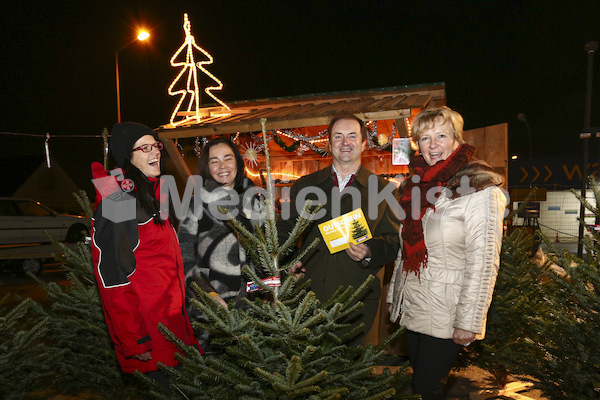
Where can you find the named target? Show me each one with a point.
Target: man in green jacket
(343, 187)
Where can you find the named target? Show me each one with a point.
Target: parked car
(24, 228)
(24, 221)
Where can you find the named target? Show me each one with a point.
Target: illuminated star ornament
(251, 154)
(382, 140)
(188, 107)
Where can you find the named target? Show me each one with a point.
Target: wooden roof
(315, 109)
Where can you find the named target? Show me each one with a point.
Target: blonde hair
(431, 117)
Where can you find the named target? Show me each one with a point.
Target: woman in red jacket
(137, 259)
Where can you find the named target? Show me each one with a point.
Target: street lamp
(143, 35)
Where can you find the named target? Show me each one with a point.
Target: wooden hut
(308, 115)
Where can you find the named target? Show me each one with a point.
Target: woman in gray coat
(212, 255)
(446, 270)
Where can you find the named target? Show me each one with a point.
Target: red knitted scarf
(414, 251)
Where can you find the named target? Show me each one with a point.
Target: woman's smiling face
(222, 165)
(437, 143)
(148, 163)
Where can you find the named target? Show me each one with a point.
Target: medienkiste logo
(119, 204)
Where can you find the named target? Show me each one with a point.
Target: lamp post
(590, 49)
(143, 35)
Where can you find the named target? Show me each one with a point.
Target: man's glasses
(147, 148)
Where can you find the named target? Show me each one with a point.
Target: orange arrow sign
(537, 174)
(549, 173)
(524, 176)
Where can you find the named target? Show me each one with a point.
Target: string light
(285, 176)
(281, 174)
(397, 182)
(290, 134)
(193, 113)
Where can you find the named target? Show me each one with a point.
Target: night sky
(497, 58)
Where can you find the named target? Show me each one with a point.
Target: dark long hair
(145, 190)
(204, 171)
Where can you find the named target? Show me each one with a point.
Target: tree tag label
(339, 232)
(272, 281)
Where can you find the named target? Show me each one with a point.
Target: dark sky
(497, 58)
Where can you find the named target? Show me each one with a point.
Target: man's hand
(462, 337)
(358, 252)
(296, 269)
(144, 356)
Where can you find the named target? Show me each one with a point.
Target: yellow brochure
(351, 227)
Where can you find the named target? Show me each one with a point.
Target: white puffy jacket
(463, 238)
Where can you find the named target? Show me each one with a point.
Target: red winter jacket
(140, 277)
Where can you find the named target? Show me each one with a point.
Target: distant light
(143, 35)
(514, 157)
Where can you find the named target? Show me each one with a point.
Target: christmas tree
(543, 324)
(23, 361)
(81, 352)
(358, 230)
(570, 367)
(62, 348)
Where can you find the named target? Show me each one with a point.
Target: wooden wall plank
(491, 145)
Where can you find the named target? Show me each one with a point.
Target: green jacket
(326, 271)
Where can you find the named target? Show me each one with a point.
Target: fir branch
(169, 335)
(360, 289)
(383, 395)
(84, 202)
(300, 255)
(244, 232)
(524, 203)
(256, 279)
(334, 393)
(300, 314)
(340, 296)
(293, 370)
(272, 378)
(299, 227)
(270, 209)
(256, 307)
(251, 349)
(394, 336)
(226, 372)
(271, 236)
(294, 289)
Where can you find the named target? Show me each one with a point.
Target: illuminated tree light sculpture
(193, 113)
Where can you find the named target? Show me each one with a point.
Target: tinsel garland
(373, 140)
(290, 149)
(303, 143)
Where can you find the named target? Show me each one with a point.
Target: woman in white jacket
(451, 236)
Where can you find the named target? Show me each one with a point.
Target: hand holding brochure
(351, 227)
